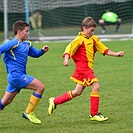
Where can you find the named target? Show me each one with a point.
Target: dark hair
(88, 22)
(19, 25)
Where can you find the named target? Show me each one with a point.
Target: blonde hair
(88, 22)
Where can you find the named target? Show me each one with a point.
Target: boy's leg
(33, 24)
(118, 26)
(34, 100)
(1, 105)
(118, 23)
(38, 88)
(29, 113)
(7, 99)
(64, 98)
(94, 103)
(102, 24)
(59, 100)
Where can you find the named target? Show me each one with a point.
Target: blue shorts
(18, 81)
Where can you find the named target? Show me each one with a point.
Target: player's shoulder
(95, 38)
(78, 38)
(13, 42)
(80, 35)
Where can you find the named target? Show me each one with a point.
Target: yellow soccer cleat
(31, 117)
(52, 106)
(98, 117)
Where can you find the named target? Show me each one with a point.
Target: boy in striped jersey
(82, 50)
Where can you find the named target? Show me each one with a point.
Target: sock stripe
(1, 105)
(70, 94)
(94, 94)
(37, 95)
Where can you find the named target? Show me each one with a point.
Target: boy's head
(37, 12)
(19, 25)
(88, 22)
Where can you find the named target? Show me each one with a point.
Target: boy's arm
(116, 54)
(100, 47)
(66, 60)
(33, 52)
(8, 45)
(69, 51)
(73, 46)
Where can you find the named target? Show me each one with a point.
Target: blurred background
(61, 19)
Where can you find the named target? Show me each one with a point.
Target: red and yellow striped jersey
(82, 50)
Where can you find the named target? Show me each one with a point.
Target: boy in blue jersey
(16, 52)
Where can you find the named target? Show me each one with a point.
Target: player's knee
(95, 87)
(119, 20)
(77, 93)
(101, 21)
(42, 88)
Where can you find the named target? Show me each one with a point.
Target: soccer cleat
(117, 30)
(98, 117)
(31, 117)
(52, 106)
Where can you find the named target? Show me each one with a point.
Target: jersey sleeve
(99, 46)
(115, 15)
(33, 52)
(72, 47)
(8, 45)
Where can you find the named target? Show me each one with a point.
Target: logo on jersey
(26, 79)
(88, 43)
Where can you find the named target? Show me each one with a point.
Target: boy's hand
(65, 63)
(45, 48)
(66, 58)
(120, 54)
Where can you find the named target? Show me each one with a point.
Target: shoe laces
(100, 115)
(33, 115)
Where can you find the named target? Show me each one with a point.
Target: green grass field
(115, 78)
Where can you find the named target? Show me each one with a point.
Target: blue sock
(37, 95)
(1, 105)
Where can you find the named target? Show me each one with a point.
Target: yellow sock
(32, 104)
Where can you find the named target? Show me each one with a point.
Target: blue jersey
(16, 55)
